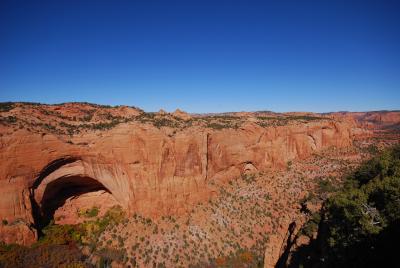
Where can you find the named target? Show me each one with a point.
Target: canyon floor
(242, 219)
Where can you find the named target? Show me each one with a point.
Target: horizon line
(243, 111)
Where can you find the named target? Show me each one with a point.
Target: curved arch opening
(51, 167)
(63, 191)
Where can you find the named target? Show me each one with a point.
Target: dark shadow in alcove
(58, 191)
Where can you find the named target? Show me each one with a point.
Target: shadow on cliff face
(380, 251)
(291, 238)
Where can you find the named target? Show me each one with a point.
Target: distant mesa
(162, 112)
(181, 114)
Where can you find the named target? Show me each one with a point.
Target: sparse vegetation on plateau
(92, 117)
(266, 121)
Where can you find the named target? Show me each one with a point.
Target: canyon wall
(146, 169)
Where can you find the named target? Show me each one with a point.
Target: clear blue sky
(203, 56)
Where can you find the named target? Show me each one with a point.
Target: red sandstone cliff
(149, 169)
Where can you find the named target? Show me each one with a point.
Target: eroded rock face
(144, 168)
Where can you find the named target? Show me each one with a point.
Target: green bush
(93, 212)
(311, 226)
(60, 235)
(361, 222)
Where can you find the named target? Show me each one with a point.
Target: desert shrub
(216, 126)
(164, 122)
(93, 229)
(90, 213)
(306, 118)
(325, 186)
(221, 125)
(49, 127)
(145, 117)
(6, 106)
(120, 241)
(108, 255)
(264, 118)
(289, 165)
(88, 116)
(311, 226)
(102, 125)
(8, 120)
(60, 235)
(248, 178)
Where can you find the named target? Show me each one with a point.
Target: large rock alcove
(68, 186)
